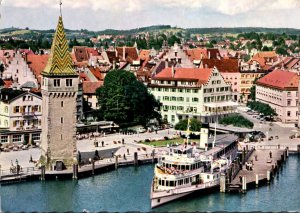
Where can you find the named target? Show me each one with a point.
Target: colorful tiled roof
(188, 74)
(280, 79)
(91, 87)
(223, 65)
(60, 61)
(130, 52)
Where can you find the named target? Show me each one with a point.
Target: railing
(292, 147)
(12, 172)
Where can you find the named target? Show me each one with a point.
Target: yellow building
(247, 79)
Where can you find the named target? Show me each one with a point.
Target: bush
(236, 120)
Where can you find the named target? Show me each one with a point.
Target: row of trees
(236, 120)
(262, 108)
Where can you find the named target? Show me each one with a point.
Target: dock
(257, 169)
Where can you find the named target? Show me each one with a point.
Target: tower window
(62, 120)
(69, 82)
(56, 82)
(62, 104)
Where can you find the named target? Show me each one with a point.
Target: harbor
(97, 193)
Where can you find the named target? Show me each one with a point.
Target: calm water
(128, 189)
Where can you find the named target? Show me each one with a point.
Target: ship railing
(13, 172)
(184, 189)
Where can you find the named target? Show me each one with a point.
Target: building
(279, 89)
(230, 71)
(59, 89)
(20, 116)
(185, 92)
(247, 80)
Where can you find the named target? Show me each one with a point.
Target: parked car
(141, 130)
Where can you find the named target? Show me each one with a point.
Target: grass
(165, 142)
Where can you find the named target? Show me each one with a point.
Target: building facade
(20, 116)
(279, 89)
(192, 92)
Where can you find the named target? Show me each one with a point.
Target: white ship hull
(161, 197)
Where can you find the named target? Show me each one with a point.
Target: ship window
(172, 183)
(207, 176)
(167, 183)
(159, 181)
(163, 182)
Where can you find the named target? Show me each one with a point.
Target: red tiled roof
(195, 54)
(223, 65)
(92, 51)
(81, 54)
(280, 79)
(144, 54)
(83, 76)
(188, 74)
(91, 87)
(266, 54)
(37, 63)
(130, 52)
(7, 83)
(96, 72)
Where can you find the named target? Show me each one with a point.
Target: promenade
(111, 142)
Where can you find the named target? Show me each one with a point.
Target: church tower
(59, 92)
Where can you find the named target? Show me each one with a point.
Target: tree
(236, 120)
(124, 99)
(262, 108)
(195, 125)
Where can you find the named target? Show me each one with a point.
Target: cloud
(227, 7)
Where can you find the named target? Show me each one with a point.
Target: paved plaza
(114, 141)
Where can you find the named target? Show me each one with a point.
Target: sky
(128, 14)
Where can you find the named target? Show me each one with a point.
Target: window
(159, 89)
(62, 104)
(36, 136)
(16, 109)
(69, 82)
(195, 91)
(173, 118)
(288, 94)
(188, 90)
(289, 102)
(173, 90)
(56, 82)
(187, 99)
(4, 139)
(195, 99)
(289, 113)
(17, 138)
(61, 120)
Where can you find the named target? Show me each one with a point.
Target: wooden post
(268, 176)
(116, 162)
(298, 149)
(223, 183)
(136, 159)
(244, 184)
(153, 156)
(287, 151)
(256, 180)
(42, 172)
(75, 171)
(93, 167)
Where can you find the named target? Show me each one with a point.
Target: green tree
(236, 120)
(195, 125)
(124, 99)
(262, 108)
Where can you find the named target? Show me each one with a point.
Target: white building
(184, 92)
(20, 116)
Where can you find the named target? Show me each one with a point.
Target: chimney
(114, 64)
(124, 49)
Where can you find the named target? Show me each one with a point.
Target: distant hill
(237, 30)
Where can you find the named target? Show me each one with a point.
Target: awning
(221, 104)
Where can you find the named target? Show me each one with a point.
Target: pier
(256, 169)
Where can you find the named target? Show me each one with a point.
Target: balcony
(28, 114)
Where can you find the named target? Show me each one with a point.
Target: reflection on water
(128, 189)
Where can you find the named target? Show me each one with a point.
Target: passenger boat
(186, 169)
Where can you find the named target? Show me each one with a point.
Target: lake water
(128, 189)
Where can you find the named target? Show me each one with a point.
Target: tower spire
(60, 60)
(60, 5)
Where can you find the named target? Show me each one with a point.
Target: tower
(59, 92)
